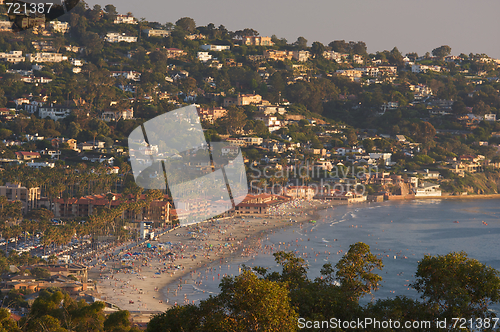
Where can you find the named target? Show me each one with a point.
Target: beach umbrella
(148, 245)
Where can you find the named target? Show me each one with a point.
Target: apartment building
(86, 206)
(301, 192)
(259, 205)
(15, 192)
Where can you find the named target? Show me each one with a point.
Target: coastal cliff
(484, 183)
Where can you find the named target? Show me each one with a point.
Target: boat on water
(456, 221)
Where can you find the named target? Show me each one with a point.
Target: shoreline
(143, 283)
(478, 196)
(248, 232)
(250, 243)
(254, 242)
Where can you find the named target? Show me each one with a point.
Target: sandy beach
(136, 280)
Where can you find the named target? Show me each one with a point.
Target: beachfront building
(427, 190)
(191, 207)
(259, 205)
(158, 211)
(61, 276)
(343, 196)
(300, 192)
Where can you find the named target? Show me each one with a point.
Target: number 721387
(478, 323)
(29, 8)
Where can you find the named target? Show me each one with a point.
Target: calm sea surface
(400, 233)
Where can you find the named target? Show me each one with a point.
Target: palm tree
(6, 234)
(3, 202)
(16, 232)
(110, 197)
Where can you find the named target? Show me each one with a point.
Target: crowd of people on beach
(203, 246)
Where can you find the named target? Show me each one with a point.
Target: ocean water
(400, 233)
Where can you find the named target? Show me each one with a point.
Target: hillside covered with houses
(332, 123)
(304, 114)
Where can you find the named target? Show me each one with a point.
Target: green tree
(7, 324)
(301, 43)
(118, 321)
(234, 121)
(355, 272)
(187, 24)
(352, 137)
(247, 303)
(111, 12)
(317, 49)
(457, 286)
(179, 318)
(368, 145)
(441, 51)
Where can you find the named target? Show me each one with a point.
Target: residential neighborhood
(315, 124)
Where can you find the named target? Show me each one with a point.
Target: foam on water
(407, 238)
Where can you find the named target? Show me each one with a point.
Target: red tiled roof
(24, 153)
(15, 317)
